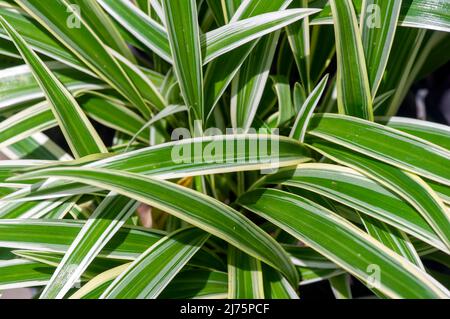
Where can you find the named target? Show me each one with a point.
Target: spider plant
(293, 168)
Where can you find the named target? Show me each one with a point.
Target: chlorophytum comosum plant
(221, 148)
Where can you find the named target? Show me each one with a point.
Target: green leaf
(410, 187)
(58, 235)
(189, 283)
(237, 33)
(8, 49)
(190, 157)
(109, 112)
(343, 243)
(218, 9)
(312, 275)
(113, 113)
(141, 26)
(299, 39)
(144, 85)
(85, 44)
(435, 133)
(245, 279)
(80, 134)
(8, 167)
(425, 14)
(204, 259)
(184, 37)
(148, 275)
(38, 146)
(18, 85)
(53, 259)
(186, 204)
(40, 40)
(166, 112)
(298, 131)
(353, 90)
(249, 82)
(285, 107)
(392, 238)
(405, 53)
(33, 209)
(379, 20)
(355, 190)
(384, 144)
(221, 71)
(340, 285)
(24, 124)
(197, 283)
(107, 219)
(276, 286)
(97, 285)
(21, 273)
(99, 21)
(306, 257)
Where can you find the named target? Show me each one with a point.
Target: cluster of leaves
(360, 194)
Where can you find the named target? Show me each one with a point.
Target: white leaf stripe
(310, 217)
(153, 161)
(184, 38)
(190, 206)
(392, 238)
(408, 186)
(354, 97)
(109, 216)
(160, 263)
(66, 110)
(235, 34)
(305, 113)
(377, 40)
(380, 145)
(102, 63)
(344, 185)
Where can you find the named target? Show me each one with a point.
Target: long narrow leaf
(244, 276)
(410, 187)
(148, 275)
(99, 229)
(184, 37)
(384, 144)
(66, 110)
(354, 97)
(186, 204)
(342, 242)
(353, 189)
(379, 20)
(85, 44)
(181, 159)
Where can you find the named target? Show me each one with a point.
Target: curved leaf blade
(343, 243)
(184, 38)
(298, 131)
(379, 20)
(79, 132)
(410, 187)
(85, 44)
(148, 275)
(186, 204)
(107, 219)
(385, 144)
(245, 279)
(353, 89)
(353, 189)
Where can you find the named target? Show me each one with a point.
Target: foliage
(347, 193)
